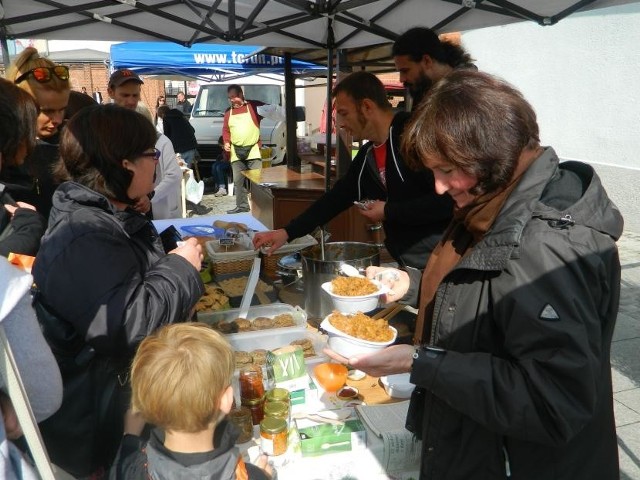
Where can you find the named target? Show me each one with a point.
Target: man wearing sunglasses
(124, 89)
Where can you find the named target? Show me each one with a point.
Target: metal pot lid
(291, 262)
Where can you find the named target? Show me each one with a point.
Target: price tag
(227, 242)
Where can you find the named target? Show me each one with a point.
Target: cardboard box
(322, 438)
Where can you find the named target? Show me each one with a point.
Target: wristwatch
(430, 352)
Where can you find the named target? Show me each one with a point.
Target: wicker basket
(223, 263)
(270, 263)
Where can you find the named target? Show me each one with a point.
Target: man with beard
(422, 59)
(412, 214)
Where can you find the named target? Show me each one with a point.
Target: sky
(61, 45)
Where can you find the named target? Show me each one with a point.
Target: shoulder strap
(16, 392)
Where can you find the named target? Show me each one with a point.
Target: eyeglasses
(43, 74)
(155, 154)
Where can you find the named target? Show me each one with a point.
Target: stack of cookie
(306, 345)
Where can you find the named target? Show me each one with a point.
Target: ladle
(350, 271)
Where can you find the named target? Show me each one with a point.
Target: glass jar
(273, 436)
(241, 418)
(276, 410)
(256, 405)
(279, 395)
(251, 384)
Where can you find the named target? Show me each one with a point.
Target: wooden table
(279, 194)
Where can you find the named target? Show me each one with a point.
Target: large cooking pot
(316, 270)
(290, 270)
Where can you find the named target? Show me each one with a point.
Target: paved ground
(625, 354)
(625, 359)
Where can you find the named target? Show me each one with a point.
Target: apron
(244, 133)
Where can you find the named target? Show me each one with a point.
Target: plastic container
(270, 311)
(353, 304)
(398, 386)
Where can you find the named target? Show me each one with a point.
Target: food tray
(272, 339)
(299, 318)
(268, 297)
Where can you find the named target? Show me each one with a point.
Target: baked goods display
(214, 299)
(362, 326)
(259, 355)
(234, 287)
(239, 325)
(306, 345)
(353, 286)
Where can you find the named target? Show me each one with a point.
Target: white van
(211, 102)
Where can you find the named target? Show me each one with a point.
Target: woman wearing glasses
(49, 85)
(104, 280)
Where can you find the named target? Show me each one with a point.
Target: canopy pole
(6, 59)
(329, 109)
(293, 160)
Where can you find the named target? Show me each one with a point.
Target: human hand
(397, 281)
(391, 360)
(191, 251)
(262, 462)
(273, 239)
(133, 423)
(142, 205)
(374, 210)
(227, 147)
(12, 208)
(11, 423)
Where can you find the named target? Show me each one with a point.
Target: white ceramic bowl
(362, 303)
(348, 346)
(397, 386)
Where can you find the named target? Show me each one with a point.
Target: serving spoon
(350, 271)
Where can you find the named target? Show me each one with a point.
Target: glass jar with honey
(256, 405)
(251, 384)
(273, 436)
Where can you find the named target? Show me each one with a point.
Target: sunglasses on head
(155, 154)
(44, 74)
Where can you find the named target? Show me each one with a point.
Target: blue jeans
(219, 171)
(188, 157)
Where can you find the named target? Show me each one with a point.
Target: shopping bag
(193, 189)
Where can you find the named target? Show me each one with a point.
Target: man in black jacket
(412, 213)
(180, 132)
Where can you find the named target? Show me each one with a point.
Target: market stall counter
(357, 432)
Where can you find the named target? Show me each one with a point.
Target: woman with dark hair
(518, 302)
(161, 101)
(21, 227)
(34, 360)
(104, 280)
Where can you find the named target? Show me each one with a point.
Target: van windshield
(213, 102)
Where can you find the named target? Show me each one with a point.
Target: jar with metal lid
(279, 395)
(276, 410)
(256, 405)
(251, 383)
(241, 418)
(273, 436)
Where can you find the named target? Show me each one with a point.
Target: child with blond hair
(181, 384)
